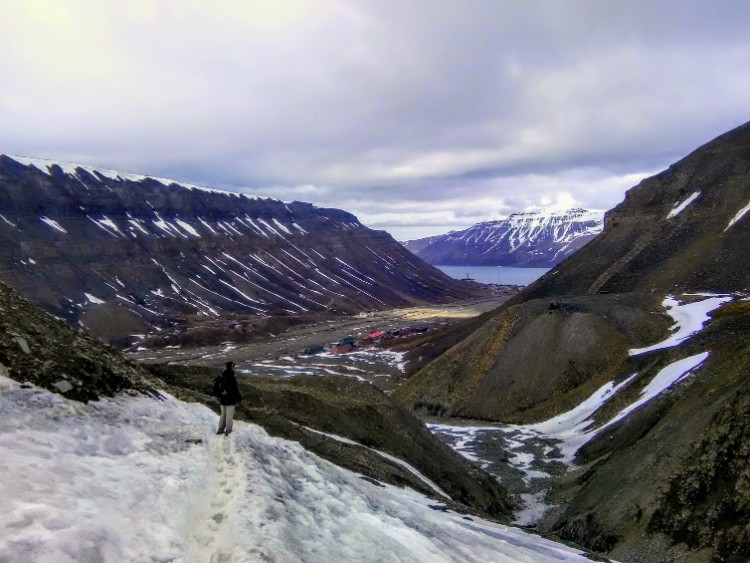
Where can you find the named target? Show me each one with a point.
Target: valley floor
(143, 479)
(282, 355)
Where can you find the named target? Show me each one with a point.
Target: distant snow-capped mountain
(127, 254)
(539, 238)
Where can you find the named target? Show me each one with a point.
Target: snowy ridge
(69, 469)
(72, 169)
(688, 319)
(680, 207)
(740, 214)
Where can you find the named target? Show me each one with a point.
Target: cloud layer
(418, 116)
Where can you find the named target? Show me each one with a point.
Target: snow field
(138, 479)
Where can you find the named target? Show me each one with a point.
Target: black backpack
(219, 385)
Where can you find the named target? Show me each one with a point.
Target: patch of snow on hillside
(267, 225)
(188, 227)
(209, 227)
(689, 319)
(69, 470)
(163, 225)
(281, 226)
(740, 214)
(569, 425)
(93, 299)
(52, 223)
(137, 224)
(255, 226)
(680, 207)
(668, 376)
(232, 227)
(7, 221)
(573, 428)
(110, 224)
(107, 225)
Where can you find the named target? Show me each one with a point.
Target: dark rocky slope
(125, 254)
(667, 482)
(36, 348)
(532, 239)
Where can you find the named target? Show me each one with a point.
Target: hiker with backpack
(225, 389)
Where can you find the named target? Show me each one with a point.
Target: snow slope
(139, 479)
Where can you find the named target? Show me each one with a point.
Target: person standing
(229, 396)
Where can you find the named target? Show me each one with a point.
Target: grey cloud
(380, 107)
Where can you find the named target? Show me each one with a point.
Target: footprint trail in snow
(133, 478)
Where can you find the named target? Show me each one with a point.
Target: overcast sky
(419, 116)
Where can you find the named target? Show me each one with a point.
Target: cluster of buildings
(351, 343)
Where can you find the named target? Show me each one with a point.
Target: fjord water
(503, 275)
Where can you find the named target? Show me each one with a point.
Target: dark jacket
(231, 394)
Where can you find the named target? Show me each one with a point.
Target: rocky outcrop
(532, 239)
(665, 480)
(125, 254)
(39, 349)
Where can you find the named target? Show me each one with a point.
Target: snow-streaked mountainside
(539, 238)
(633, 355)
(135, 478)
(126, 254)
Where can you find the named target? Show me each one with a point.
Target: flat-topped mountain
(539, 238)
(128, 254)
(634, 353)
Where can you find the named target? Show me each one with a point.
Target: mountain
(126, 254)
(539, 238)
(105, 461)
(633, 356)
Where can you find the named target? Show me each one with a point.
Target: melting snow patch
(188, 227)
(54, 224)
(533, 509)
(107, 225)
(688, 318)
(8, 222)
(572, 428)
(740, 215)
(281, 226)
(92, 299)
(679, 208)
(668, 376)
